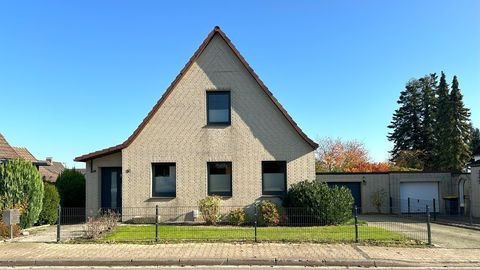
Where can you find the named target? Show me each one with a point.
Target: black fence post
(255, 221)
(408, 203)
(156, 223)
(429, 230)
(434, 210)
(356, 224)
(391, 205)
(59, 218)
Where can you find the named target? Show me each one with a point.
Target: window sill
(273, 195)
(161, 198)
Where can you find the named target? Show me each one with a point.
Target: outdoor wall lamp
(363, 180)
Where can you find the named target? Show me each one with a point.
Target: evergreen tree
(443, 126)
(460, 130)
(428, 120)
(406, 122)
(475, 142)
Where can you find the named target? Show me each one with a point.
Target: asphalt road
(231, 268)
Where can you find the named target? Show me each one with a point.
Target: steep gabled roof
(196, 55)
(6, 151)
(24, 153)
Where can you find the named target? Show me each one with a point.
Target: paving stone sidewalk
(226, 253)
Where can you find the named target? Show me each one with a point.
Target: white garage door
(421, 194)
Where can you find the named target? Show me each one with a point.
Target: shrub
(96, 226)
(210, 209)
(51, 200)
(5, 230)
(237, 216)
(269, 213)
(21, 187)
(317, 203)
(71, 187)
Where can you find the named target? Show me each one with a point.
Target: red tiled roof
(6, 151)
(196, 55)
(24, 153)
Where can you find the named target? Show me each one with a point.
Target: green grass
(341, 233)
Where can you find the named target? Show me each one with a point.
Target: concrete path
(42, 254)
(48, 234)
(442, 235)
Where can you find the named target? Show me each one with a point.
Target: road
(231, 268)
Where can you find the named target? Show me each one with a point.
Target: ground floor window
(163, 180)
(274, 177)
(219, 178)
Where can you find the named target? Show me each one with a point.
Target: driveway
(442, 235)
(48, 234)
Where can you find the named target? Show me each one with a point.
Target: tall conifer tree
(460, 135)
(443, 125)
(428, 120)
(406, 122)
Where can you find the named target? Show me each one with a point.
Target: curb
(238, 262)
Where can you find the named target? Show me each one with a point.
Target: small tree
(51, 200)
(71, 187)
(378, 197)
(21, 187)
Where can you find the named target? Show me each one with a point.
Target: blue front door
(111, 188)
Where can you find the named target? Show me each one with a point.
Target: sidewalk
(42, 254)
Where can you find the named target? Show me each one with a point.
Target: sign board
(11, 216)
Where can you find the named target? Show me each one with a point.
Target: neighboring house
(49, 170)
(217, 130)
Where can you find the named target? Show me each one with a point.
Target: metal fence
(188, 223)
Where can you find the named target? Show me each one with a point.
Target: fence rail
(188, 223)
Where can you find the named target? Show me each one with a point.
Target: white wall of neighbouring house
(475, 190)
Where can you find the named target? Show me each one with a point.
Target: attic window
(218, 107)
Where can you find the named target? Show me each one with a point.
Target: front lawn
(342, 233)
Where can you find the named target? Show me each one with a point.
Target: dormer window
(218, 107)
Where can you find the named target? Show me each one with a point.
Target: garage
(354, 188)
(421, 194)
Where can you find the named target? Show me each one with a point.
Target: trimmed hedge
(318, 204)
(71, 187)
(51, 200)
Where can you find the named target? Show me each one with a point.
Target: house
(49, 170)
(217, 130)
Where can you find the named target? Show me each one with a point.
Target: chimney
(49, 160)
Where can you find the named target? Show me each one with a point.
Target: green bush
(71, 187)
(237, 216)
(51, 200)
(210, 209)
(317, 203)
(21, 187)
(269, 213)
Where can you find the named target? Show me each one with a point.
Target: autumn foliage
(335, 155)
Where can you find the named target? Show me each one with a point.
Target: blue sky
(78, 76)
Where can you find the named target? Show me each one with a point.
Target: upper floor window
(218, 107)
(164, 180)
(274, 177)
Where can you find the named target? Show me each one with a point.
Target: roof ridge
(193, 58)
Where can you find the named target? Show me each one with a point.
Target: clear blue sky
(77, 76)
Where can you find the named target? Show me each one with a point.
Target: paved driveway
(48, 234)
(442, 235)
